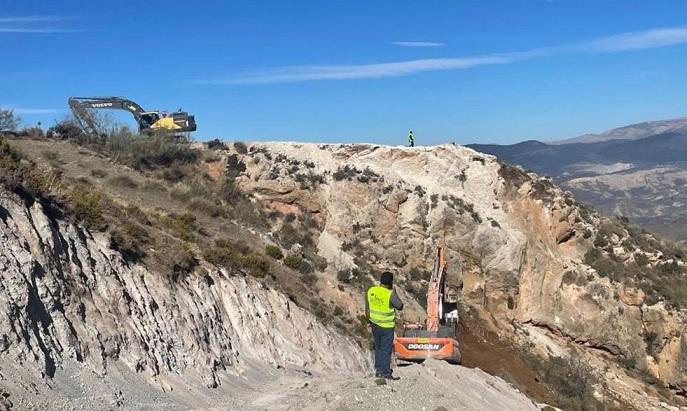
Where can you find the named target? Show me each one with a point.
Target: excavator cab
(148, 119)
(438, 337)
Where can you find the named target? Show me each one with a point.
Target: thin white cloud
(418, 44)
(34, 24)
(32, 111)
(654, 38)
(31, 30)
(33, 19)
(348, 72)
(649, 39)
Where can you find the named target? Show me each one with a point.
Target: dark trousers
(384, 344)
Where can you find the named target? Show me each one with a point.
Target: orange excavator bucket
(420, 348)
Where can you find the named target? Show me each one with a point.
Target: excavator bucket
(417, 349)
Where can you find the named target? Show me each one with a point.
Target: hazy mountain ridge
(631, 132)
(638, 178)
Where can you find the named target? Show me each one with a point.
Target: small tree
(8, 121)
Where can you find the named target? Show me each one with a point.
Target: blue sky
(351, 71)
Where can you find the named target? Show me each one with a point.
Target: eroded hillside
(161, 240)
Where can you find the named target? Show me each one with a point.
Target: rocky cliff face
(515, 241)
(68, 300)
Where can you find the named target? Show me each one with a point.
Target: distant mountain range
(632, 132)
(638, 171)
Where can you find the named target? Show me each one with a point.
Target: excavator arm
(80, 107)
(435, 292)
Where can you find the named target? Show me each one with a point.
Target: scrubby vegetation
(8, 120)
(663, 280)
(237, 256)
(87, 205)
(139, 152)
(513, 176)
(460, 206)
(570, 380)
(348, 172)
(356, 277)
(274, 252)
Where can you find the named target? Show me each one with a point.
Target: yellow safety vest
(381, 313)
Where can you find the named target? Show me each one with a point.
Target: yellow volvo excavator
(149, 122)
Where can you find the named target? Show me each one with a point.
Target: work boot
(391, 377)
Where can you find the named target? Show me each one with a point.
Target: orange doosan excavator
(438, 337)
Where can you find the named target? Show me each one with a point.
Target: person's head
(387, 279)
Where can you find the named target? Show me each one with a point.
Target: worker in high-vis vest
(380, 307)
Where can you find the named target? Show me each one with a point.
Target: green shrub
(255, 264)
(86, 204)
(293, 261)
(600, 241)
(513, 176)
(347, 246)
(236, 256)
(346, 172)
(274, 252)
(289, 236)
(319, 262)
(151, 152)
(240, 147)
(134, 212)
(304, 267)
(130, 240)
(66, 129)
(230, 192)
(343, 276)
(641, 259)
(572, 382)
(181, 225)
(216, 144)
(235, 166)
(182, 261)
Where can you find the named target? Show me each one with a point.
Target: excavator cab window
(148, 119)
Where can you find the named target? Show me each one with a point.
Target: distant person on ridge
(380, 308)
(411, 139)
